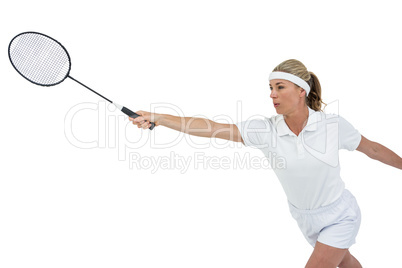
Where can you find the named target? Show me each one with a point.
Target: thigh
(325, 256)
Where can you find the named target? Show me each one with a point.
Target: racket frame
(54, 40)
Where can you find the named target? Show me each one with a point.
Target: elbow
(213, 127)
(373, 151)
(369, 148)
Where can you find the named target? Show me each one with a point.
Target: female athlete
(309, 139)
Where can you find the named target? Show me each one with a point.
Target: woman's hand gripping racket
(44, 61)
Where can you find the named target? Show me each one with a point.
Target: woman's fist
(144, 119)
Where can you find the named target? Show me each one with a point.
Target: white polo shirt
(307, 165)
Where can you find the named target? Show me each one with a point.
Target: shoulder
(348, 137)
(328, 118)
(256, 122)
(255, 131)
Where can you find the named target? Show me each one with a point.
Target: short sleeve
(256, 133)
(349, 137)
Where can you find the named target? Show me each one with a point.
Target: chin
(278, 111)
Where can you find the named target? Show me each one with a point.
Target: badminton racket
(44, 61)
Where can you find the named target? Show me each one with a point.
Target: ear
(302, 92)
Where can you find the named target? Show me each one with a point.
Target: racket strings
(39, 59)
(49, 60)
(52, 60)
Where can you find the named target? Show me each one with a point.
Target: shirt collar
(283, 129)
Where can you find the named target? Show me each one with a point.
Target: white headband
(292, 78)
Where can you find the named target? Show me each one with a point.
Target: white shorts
(335, 225)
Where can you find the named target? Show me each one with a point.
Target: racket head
(39, 58)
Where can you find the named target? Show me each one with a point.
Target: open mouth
(276, 105)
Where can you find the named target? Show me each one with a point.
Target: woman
(309, 140)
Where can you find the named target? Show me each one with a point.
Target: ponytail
(313, 100)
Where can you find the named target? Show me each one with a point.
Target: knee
(321, 262)
(349, 261)
(346, 260)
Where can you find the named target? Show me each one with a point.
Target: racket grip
(134, 115)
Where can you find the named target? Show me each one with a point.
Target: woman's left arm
(379, 152)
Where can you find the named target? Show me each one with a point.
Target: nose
(273, 94)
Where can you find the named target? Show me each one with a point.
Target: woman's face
(287, 97)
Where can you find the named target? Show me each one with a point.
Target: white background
(64, 206)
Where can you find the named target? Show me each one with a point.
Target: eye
(281, 87)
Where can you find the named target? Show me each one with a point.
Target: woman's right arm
(191, 125)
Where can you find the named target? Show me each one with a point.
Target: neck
(297, 119)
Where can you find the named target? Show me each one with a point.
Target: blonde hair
(295, 67)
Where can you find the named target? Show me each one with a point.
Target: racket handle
(131, 114)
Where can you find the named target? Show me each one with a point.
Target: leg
(325, 256)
